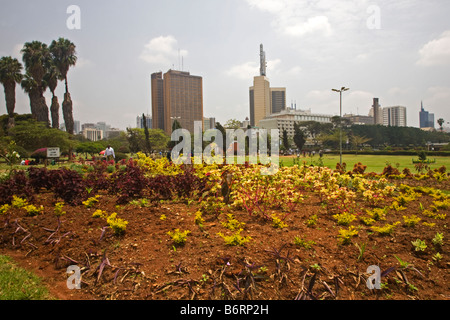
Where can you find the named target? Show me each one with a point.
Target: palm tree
(36, 56)
(359, 141)
(64, 56)
(10, 74)
(51, 77)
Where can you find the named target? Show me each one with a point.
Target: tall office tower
(377, 112)
(264, 100)
(183, 100)
(426, 118)
(394, 116)
(157, 84)
(278, 99)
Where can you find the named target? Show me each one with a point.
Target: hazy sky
(396, 50)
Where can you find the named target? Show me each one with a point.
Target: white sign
(53, 153)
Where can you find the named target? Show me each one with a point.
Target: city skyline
(397, 51)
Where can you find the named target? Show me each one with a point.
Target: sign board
(53, 153)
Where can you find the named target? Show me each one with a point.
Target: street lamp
(343, 89)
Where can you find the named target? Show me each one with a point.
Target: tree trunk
(55, 112)
(68, 118)
(10, 97)
(42, 112)
(68, 113)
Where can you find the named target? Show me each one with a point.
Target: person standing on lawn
(109, 153)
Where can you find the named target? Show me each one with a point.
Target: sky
(394, 50)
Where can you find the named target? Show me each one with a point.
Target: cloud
(162, 50)
(436, 52)
(314, 17)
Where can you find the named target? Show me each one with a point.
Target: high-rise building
(394, 116)
(140, 122)
(209, 123)
(377, 112)
(157, 84)
(176, 95)
(426, 118)
(264, 100)
(278, 99)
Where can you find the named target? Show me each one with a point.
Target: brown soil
(144, 263)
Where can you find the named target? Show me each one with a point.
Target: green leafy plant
(232, 223)
(33, 210)
(235, 239)
(411, 221)
(419, 245)
(100, 214)
(277, 222)
(178, 237)
(361, 249)
(59, 209)
(312, 220)
(307, 244)
(18, 202)
(4, 209)
(117, 224)
(198, 219)
(345, 235)
(387, 229)
(438, 239)
(344, 219)
(90, 202)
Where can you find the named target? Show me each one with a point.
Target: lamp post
(343, 89)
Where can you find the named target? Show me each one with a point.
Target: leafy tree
(358, 141)
(285, 139)
(441, 124)
(90, 147)
(64, 56)
(232, 124)
(32, 135)
(10, 74)
(147, 135)
(299, 136)
(136, 138)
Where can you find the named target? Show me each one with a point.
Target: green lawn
(374, 163)
(18, 284)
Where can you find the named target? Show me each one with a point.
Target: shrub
(69, 186)
(117, 224)
(235, 239)
(33, 210)
(344, 218)
(345, 235)
(411, 221)
(128, 184)
(16, 184)
(178, 237)
(387, 229)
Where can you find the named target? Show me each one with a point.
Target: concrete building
(176, 95)
(286, 119)
(93, 134)
(140, 122)
(426, 118)
(209, 123)
(359, 119)
(377, 112)
(157, 84)
(264, 100)
(394, 116)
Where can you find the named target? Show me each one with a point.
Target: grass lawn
(374, 163)
(19, 284)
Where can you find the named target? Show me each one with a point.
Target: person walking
(109, 153)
